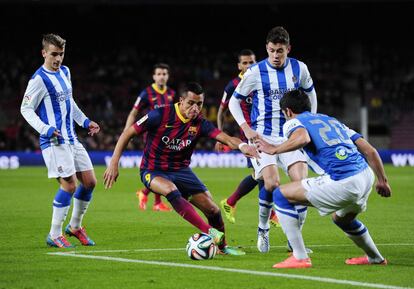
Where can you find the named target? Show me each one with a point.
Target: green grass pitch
(145, 249)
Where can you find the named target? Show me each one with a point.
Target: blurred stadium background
(359, 54)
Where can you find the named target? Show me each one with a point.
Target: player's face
(245, 61)
(160, 76)
(53, 57)
(191, 105)
(277, 53)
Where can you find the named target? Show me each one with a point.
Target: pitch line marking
(233, 270)
(182, 249)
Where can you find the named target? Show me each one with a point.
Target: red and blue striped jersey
(170, 138)
(152, 97)
(246, 104)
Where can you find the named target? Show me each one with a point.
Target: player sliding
(172, 133)
(346, 160)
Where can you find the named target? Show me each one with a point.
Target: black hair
(193, 87)
(245, 52)
(278, 34)
(161, 66)
(296, 100)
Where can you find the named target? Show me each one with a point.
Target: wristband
(242, 145)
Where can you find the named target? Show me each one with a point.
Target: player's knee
(69, 187)
(271, 186)
(90, 183)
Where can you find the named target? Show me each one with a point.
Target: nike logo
(167, 126)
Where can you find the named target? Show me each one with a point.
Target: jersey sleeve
(290, 126)
(208, 129)
(149, 121)
(33, 96)
(306, 83)
(78, 115)
(246, 85)
(353, 135)
(227, 93)
(141, 101)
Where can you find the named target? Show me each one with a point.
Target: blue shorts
(249, 162)
(185, 180)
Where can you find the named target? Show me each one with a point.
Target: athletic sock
(61, 205)
(81, 201)
(216, 221)
(245, 187)
(145, 191)
(359, 234)
(289, 220)
(187, 211)
(265, 206)
(157, 199)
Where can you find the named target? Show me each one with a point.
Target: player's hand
(219, 147)
(110, 176)
(263, 146)
(93, 128)
(250, 151)
(383, 189)
(56, 133)
(250, 134)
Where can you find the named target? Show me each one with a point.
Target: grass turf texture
(115, 223)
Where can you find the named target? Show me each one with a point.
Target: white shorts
(284, 160)
(65, 160)
(343, 196)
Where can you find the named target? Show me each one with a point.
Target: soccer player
(267, 81)
(344, 158)
(172, 133)
(246, 57)
(48, 106)
(154, 96)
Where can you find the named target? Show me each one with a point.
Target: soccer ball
(201, 246)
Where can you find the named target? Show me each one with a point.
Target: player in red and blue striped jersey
(172, 133)
(154, 96)
(246, 57)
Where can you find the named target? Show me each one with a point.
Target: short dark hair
(161, 66)
(193, 87)
(278, 34)
(296, 100)
(245, 52)
(53, 39)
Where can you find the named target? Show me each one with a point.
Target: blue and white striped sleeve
(78, 115)
(306, 83)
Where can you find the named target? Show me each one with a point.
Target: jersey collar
(180, 116)
(160, 91)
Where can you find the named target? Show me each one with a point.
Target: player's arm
(33, 96)
(308, 88)
(297, 139)
(375, 162)
(132, 116)
(236, 143)
(243, 89)
(220, 119)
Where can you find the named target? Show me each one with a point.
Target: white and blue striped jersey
(332, 147)
(48, 105)
(267, 85)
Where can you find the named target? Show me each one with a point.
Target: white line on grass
(182, 249)
(242, 271)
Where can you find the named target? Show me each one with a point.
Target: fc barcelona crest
(192, 130)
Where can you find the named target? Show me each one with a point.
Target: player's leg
(83, 195)
(359, 234)
(142, 195)
(298, 171)
(159, 205)
(358, 187)
(229, 205)
(59, 161)
(285, 197)
(271, 182)
(163, 183)
(204, 202)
